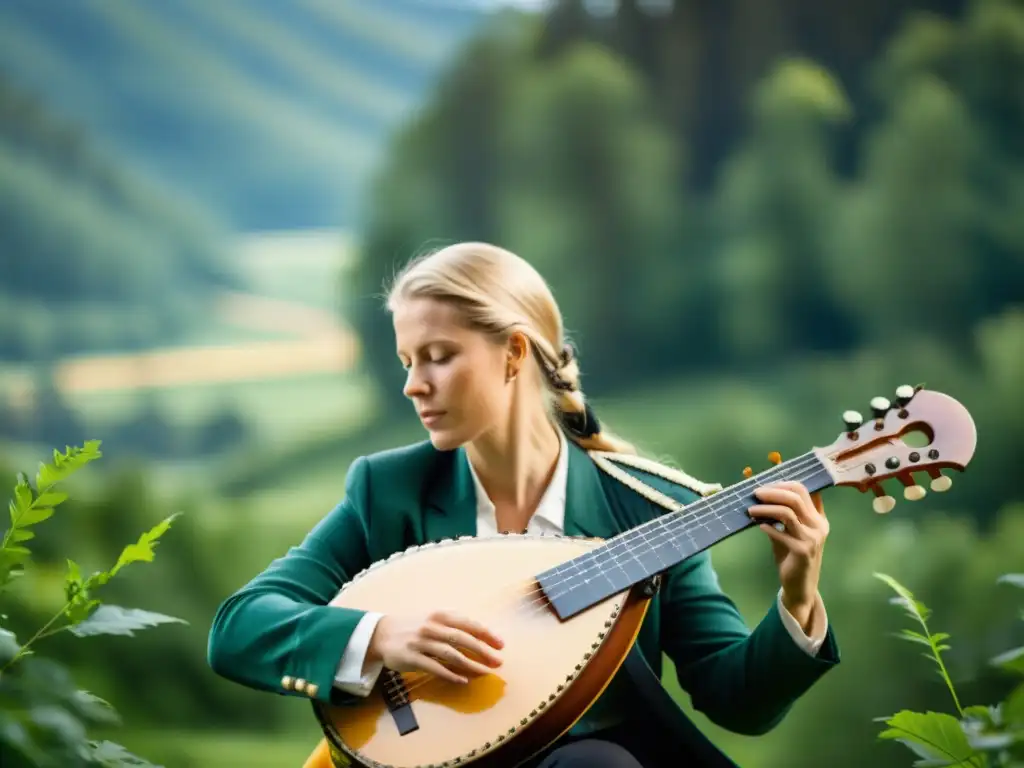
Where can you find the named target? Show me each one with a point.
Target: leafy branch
(935, 643)
(46, 725)
(29, 508)
(978, 735)
(83, 614)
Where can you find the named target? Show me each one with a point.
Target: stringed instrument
(583, 600)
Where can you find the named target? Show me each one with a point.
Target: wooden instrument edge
(558, 717)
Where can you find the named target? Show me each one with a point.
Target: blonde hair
(498, 293)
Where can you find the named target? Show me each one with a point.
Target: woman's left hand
(798, 548)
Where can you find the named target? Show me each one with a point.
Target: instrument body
(552, 670)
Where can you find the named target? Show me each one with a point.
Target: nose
(416, 384)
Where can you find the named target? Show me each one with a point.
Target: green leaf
(50, 499)
(915, 609)
(1012, 660)
(72, 581)
(33, 515)
(936, 737)
(114, 620)
(9, 646)
(143, 549)
(1013, 707)
(79, 610)
(22, 535)
(67, 463)
(914, 637)
(1014, 579)
(111, 755)
(93, 708)
(22, 496)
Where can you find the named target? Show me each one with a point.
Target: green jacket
(277, 629)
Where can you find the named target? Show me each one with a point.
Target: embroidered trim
(604, 459)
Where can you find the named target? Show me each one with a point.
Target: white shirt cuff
(351, 677)
(810, 645)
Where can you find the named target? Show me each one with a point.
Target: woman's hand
(440, 643)
(798, 548)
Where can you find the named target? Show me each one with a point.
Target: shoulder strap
(608, 461)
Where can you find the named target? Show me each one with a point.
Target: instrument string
(666, 527)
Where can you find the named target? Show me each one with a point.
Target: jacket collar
(451, 509)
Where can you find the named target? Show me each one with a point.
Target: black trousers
(627, 746)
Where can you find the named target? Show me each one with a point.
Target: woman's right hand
(451, 647)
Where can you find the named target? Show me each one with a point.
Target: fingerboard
(656, 546)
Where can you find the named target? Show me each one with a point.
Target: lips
(430, 418)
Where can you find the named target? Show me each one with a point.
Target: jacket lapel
(450, 501)
(587, 512)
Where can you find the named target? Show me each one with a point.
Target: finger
(818, 503)
(468, 625)
(457, 637)
(427, 664)
(784, 515)
(786, 541)
(793, 495)
(452, 656)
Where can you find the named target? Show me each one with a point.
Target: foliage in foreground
(979, 735)
(44, 716)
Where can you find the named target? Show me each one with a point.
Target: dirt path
(322, 345)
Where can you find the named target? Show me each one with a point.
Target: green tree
(777, 204)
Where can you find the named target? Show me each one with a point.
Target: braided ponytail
(573, 412)
(499, 293)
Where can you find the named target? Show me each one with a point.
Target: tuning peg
(883, 503)
(852, 420)
(747, 472)
(912, 491)
(880, 406)
(940, 483)
(904, 395)
(775, 457)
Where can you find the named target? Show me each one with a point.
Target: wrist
(373, 652)
(800, 608)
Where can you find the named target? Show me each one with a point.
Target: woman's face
(455, 376)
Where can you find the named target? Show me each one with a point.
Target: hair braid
(574, 413)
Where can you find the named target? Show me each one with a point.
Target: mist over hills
(273, 115)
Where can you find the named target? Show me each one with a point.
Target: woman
(510, 434)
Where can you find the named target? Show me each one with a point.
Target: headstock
(942, 436)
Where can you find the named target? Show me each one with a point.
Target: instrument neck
(652, 548)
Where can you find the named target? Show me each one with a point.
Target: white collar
(552, 504)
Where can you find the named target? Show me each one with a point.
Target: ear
(518, 349)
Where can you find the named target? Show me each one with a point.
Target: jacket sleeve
(277, 632)
(745, 681)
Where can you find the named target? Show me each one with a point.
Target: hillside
(273, 118)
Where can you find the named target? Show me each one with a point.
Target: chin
(445, 439)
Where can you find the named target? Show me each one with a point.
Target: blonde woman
(509, 445)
